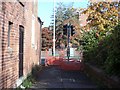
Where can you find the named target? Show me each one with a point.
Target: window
(9, 30)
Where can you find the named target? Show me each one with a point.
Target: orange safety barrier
(64, 64)
(72, 64)
(53, 60)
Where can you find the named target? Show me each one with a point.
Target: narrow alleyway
(53, 77)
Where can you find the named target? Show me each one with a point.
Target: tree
(103, 16)
(102, 40)
(64, 14)
(46, 38)
(59, 18)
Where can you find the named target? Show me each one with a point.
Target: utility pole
(54, 32)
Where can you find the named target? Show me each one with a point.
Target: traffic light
(72, 30)
(65, 29)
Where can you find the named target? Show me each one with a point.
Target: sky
(45, 8)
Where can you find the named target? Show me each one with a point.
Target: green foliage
(27, 83)
(102, 46)
(91, 42)
(90, 39)
(31, 78)
(105, 53)
(113, 60)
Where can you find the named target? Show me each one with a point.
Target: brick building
(20, 43)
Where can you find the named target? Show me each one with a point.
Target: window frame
(10, 24)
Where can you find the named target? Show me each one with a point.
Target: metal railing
(74, 54)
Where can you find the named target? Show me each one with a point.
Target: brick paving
(53, 77)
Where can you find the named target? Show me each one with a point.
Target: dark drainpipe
(41, 23)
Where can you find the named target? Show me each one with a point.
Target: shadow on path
(53, 77)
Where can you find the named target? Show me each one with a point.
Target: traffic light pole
(68, 37)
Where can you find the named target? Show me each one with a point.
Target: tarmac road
(53, 77)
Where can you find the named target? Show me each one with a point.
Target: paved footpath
(53, 77)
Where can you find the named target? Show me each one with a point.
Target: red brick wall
(27, 38)
(9, 61)
(31, 52)
(0, 43)
(9, 65)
